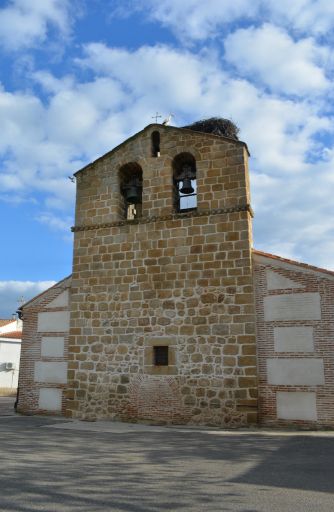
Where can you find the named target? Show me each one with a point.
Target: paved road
(55, 466)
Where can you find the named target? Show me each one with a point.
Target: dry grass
(7, 392)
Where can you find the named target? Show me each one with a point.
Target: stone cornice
(172, 216)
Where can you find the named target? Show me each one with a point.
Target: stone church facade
(170, 316)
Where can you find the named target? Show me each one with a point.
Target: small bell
(132, 194)
(186, 187)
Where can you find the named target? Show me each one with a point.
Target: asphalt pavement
(50, 464)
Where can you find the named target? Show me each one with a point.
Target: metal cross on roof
(156, 116)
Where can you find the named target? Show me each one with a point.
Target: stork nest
(216, 126)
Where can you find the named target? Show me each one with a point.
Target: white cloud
(28, 155)
(52, 84)
(169, 75)
(269, 54)
(195, 20)
(57, 223)
(76, 112)
(280, 134)
(12, 293)
(199, 20)
(54, 222)
(304, 16)
(293, 214)
(42, 144)
(24, 23)
(19, 112)
(124, 89)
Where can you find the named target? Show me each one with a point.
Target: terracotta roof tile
(44, 292)
(5, 322)
(293, 262)
(17, 335)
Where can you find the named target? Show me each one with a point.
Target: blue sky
(78, 77)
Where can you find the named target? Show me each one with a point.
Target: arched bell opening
(184, 181)
(131, 185)
(155, 143)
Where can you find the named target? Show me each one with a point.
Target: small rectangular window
(160, 355)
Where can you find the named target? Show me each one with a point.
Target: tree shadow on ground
(298, 463)
(69, 470)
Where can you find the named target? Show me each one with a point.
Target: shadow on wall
(149, 471)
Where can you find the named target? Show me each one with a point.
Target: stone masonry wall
(179, 280)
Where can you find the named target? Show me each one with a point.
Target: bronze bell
(186, 187)
(132, 194)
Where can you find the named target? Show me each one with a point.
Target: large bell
(132, 194)
(186, 187)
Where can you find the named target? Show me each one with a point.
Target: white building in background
(10, 349)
